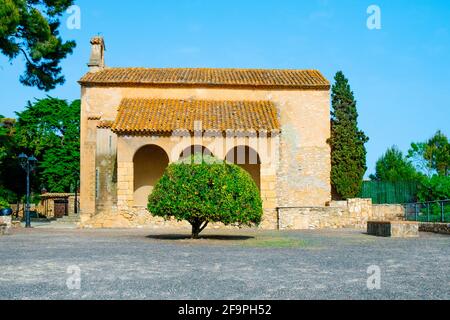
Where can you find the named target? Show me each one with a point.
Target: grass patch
(276, 242)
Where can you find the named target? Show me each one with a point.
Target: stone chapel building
(135, 121)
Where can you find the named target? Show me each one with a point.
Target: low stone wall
(388, 212)
(354, 213)
(138, 218)
(5, 225)
(443, 228)
(6, 221)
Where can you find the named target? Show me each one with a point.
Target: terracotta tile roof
(105, 124)
(259, 78)
(144, 116)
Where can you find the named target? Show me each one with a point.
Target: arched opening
(149, 163)
(195, 149)
(248, 159)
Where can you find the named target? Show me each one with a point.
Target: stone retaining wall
(354, 213)
(443, 228)
(139, 217)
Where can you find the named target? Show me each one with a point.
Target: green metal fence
(388, 192)
(437, 211)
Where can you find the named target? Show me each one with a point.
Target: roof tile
(254, 78)
(146, 116)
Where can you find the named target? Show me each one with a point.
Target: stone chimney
(97, 60)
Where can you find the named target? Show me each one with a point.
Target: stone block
(394, 229)
(3, 229)
(16, 224)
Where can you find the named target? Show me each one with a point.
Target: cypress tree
(348, 153)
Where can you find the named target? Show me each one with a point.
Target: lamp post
(28, 164)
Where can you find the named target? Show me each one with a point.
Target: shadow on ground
(171, 237)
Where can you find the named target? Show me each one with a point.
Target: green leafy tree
(30, 28)
(434, 189)
(10, 182)
(206, 190)
(3, 203)
(348, 152)
(393, 166)
(432, 156)
(49, 129)
(6, 136)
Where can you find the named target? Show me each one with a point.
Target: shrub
(206, 190)
(3, 204)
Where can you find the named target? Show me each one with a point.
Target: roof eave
(324, 87)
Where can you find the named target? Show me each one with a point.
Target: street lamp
(28, 164)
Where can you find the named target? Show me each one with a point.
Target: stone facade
(294, 171)
(354, 213)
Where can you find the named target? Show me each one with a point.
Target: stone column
(269, 197)
(88, 180)
(125, 186)
(71, 205)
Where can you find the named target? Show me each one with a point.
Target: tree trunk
(197, 227)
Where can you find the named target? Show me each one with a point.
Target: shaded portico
(146, 147)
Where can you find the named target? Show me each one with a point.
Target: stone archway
(149, 164)
(194, 149)
(248, 159)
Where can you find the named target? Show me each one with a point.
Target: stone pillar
(125, 186)
(71, 208)
(50, 203)
(269, 197)
(106, 157)
(88, 181)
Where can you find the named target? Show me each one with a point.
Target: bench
(394, 229)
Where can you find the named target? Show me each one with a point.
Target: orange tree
(205, 190)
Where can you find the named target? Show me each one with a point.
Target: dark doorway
(61, 208)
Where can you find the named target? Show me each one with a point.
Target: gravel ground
(245, 264)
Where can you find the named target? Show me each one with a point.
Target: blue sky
(400, 74)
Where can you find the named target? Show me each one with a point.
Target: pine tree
(348, 153)
(31, 28)
(394, 167)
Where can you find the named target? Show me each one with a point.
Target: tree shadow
(177, 237)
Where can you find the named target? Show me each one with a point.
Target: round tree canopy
(205, 190)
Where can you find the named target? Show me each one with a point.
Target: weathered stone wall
(106, 171)
(139, 218)
(312, 218)
(443, 228)
(354, 214)
(388, 212)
